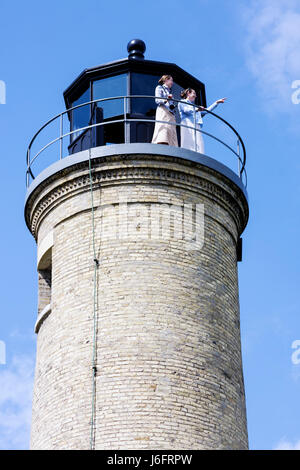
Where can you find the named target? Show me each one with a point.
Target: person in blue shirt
(165, 133)
(190, 116)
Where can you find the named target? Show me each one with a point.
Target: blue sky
(248, 51)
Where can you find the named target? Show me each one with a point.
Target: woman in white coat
(188, 115)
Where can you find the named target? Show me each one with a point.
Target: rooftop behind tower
(138, 339)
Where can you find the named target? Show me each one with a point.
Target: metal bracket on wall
(239, 249)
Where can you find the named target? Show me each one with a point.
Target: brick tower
(138, 336)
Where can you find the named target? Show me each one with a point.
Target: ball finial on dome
(136, 49)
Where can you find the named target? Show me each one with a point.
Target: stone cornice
(138, 169)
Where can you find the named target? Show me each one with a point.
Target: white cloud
(16, 384)
(272, 39)
(284, 444)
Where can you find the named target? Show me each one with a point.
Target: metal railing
(126, 119)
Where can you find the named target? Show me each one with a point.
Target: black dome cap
(136, 49)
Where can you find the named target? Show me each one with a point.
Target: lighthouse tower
(138, 330)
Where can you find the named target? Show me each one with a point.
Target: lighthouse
(138, 319)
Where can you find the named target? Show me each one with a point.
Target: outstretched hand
(221, 100)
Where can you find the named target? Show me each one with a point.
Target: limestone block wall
(169, 368)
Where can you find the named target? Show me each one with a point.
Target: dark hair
(164, 78)
(185, 92)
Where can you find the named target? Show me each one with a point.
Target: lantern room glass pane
(143, 84)
(107, 88)
(81, 116)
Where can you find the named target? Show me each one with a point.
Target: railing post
(195, 132)
(28, 165)
(61, 133)
(239, 158)
(125, 121)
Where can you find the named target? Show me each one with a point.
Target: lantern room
(120, 99)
